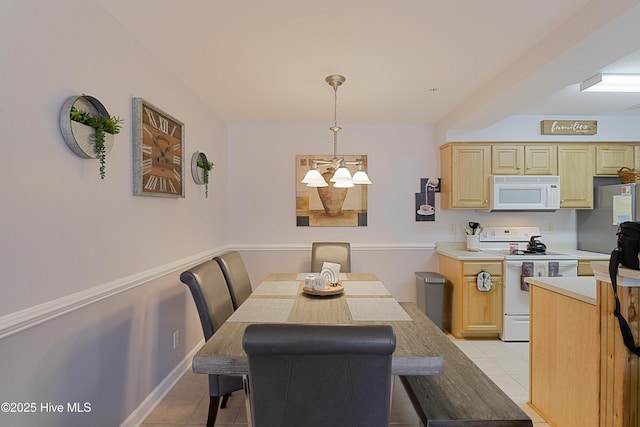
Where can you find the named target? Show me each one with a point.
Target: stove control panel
(508, 234)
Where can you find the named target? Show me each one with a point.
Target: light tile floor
(507, 364)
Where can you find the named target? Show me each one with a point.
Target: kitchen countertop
(626, 276)
(582, 255)
(458, 250)
(580, 288)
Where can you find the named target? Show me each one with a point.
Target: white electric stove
(513, 244)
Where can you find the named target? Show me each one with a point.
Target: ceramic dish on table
(328, 290)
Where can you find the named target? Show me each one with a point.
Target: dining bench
(462, 396)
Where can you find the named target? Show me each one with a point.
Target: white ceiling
(257, 61)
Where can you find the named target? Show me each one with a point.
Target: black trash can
(433, 293)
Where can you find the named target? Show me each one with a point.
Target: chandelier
(342, 177)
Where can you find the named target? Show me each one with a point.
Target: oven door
(516, 300)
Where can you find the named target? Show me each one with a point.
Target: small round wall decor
(77, 136)
(200, 168)
(87, 128)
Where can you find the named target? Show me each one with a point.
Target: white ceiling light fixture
(342, 177)
(604, 82)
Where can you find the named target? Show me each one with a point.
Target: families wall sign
(569, 127)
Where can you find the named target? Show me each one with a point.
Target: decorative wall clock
(158, 152)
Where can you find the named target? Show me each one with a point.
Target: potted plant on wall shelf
(88, 128)
(101, 125)
(200, 168)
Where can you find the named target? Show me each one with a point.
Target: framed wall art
(329, 206)
(158, 152)
(426, 199)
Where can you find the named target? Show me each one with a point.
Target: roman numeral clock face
(159, 162)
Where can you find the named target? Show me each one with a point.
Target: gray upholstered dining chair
(236, 275)
(319, 375)
(337, 252)
(213, 302)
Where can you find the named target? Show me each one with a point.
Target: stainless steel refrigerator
(596, 228)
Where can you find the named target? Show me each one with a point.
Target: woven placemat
(278, 288)
(263, 310)
(376, 309)
(354, 287)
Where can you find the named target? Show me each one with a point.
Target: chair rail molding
(354, 246)
(21, 320)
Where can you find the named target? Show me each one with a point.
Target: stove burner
(518, 244)
(528, 252)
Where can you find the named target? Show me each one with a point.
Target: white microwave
(524, 192)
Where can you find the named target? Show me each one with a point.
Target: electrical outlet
(176, 339)
(452, 229)
(549, 227)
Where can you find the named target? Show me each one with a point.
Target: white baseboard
(145, 408)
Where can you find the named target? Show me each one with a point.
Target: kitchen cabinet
(611, 157)
(530, 159)
(580, 371)
(619, 369)
(466, 166)
(564, 351)
(576, 170)
(465, 170)
(507, 159)
(584, 267)
(474, 313)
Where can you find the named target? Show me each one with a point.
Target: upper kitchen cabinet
(465, 169)
(466, 166)
(530, 159)
(611, 157)
(576, 170)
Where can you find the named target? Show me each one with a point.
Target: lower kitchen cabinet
(482, 310)
(584, 267)
(564, 352)
(474, 312)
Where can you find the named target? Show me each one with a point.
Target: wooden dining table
(365, 301)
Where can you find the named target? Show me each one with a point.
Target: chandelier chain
(335, 106)
(335, 128)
